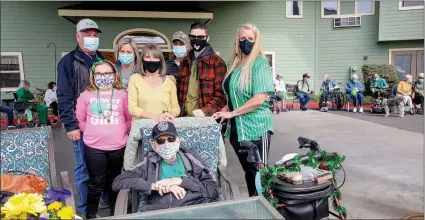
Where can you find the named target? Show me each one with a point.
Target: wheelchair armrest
(233, 186)
(66, 184)
(121, 204)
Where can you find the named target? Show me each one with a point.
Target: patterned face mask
(167, 150)
(104, 81)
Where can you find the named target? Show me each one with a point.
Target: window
(410, 5)
(330, 9)
(294, 9)
(271, 59)
(365, 7)
(11, 71)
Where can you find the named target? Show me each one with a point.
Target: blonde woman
(247, 85)
(126, 55)
(152, 94)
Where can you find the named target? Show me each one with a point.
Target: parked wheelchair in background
(335, 99)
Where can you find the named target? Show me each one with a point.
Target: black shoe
(304, 108)
(31, 124)
(55, 121)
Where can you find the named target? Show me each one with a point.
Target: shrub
(385, 71)
(368, 100)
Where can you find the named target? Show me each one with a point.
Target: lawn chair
(205, 140)
(30, 150)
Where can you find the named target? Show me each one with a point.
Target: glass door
(408, 62)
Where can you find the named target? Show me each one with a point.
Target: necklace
(101, 111)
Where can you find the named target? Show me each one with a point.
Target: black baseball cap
(305, 75)
(164, 128)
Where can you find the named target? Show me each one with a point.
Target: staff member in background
(127, 56)
(73, 79)
(247, 85)
(201, 76)
(181, 46)
(152, 94)
(52, 100)
(24, 95)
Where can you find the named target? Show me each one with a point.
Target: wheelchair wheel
(415, 111)
(19, 126)
(339, 100)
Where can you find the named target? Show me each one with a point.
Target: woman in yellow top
(151, 94)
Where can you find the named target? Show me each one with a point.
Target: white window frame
(294, 16)
(371, 13)
(338, 12)
(273, 62)
(390, 51)
(401, 8)
(21, 70)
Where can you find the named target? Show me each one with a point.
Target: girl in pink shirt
(103, 116)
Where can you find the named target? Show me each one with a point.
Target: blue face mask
(421, 81)
(91, 43)
(179, 51)
(126, 59)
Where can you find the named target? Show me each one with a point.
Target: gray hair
(408, 77)
(24, 83)
(124, 41)
(355, 76)
(156, 53)
(421, 75)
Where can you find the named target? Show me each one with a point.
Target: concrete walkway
(384, 165)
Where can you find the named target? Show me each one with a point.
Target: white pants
(407, 100)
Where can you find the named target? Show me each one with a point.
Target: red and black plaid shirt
(211, 72)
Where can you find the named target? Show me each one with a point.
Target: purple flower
(30, 218)
(57, 195)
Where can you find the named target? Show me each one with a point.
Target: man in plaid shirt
(200, 78)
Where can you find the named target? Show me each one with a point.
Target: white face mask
(167, 150)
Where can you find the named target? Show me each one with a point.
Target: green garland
(332, 163)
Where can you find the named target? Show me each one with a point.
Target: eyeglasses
(104, 74)
(200, 37)
(170, 139)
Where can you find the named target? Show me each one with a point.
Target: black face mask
(246, 46)
(151, 66)
(198, 44)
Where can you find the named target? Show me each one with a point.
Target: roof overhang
(134, 14)
(158, 10)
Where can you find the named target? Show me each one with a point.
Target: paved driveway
(384, 164)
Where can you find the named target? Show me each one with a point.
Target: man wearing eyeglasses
(73, 79)
(169, 176)
(200, 78)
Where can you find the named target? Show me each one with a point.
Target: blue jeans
(357, 100)
(304, 99)
(82, 175)
(9, 111)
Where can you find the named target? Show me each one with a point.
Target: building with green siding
(332, 37)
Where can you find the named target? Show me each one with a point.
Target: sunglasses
(200, 37)
(104, 74)
(169, 140)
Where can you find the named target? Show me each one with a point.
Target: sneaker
(103, 204)
(326, 109)
(354, 110)
(304, 108)
(55, 121)
(322, 109)
(11, 127)
(361, 110)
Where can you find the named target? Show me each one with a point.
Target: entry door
(111, 55)
(408, 62)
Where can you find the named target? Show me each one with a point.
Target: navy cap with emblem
(164, 128)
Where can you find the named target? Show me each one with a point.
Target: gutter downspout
(209, 20)
(316, 52)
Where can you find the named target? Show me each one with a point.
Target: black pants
(263, 145)
(54, 106)
(384, 94)
(103, 167)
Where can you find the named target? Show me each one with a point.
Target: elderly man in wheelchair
(193, 153)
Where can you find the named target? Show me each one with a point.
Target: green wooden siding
(396, 24)
(307, 45)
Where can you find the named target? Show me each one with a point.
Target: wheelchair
(335, 99)
(19, 112)
(378, 100)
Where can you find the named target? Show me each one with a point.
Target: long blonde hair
(124, 41)
(156, 53)
(117, 83)
(236, 55)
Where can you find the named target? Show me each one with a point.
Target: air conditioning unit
(347, 21)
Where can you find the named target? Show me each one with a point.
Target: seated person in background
(24, 95)
(404, 89)
(9, 111)
(280, 89)
(379, 83)
(327, 88)
(419, 91)
(354, 89)
(169, 176)
(52, 100)
(304, 91)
